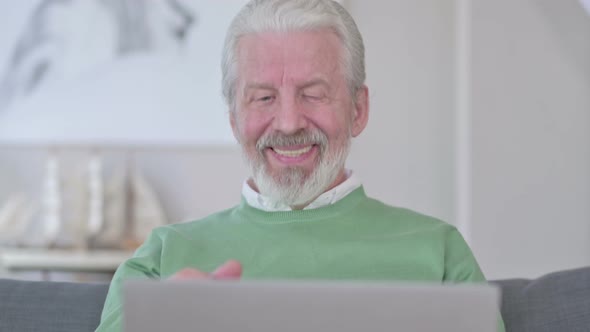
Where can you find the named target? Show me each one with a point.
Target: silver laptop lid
(288, 306)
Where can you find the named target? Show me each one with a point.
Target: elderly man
(293, 77)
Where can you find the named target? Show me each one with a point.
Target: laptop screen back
(288, 306)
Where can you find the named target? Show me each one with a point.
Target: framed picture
(103, 71)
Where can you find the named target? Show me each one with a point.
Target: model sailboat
(131, 210)
(117, 214)
(15, 217)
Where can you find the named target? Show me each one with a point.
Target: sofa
(557, 302)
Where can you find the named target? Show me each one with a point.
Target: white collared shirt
(331, 196)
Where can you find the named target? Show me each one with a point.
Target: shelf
(62, 260)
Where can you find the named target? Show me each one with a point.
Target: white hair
(294, 15)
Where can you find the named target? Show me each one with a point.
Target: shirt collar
(331, 196)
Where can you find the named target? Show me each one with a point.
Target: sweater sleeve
(461, 266)
(145, 263)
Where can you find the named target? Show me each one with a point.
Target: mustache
(302, 137)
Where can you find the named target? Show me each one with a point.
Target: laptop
(296, 306)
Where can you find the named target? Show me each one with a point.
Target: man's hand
(231, 269)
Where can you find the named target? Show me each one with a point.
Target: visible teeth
(292, 153)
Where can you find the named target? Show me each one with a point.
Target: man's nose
(290, 117)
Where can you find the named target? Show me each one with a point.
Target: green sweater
(357, 238)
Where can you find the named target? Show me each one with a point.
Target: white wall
(531, 136)
(529, 104)
(405, 156)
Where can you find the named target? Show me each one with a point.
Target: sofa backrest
(50, 306)
(558, 301)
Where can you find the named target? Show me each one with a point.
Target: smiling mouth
(293, 153)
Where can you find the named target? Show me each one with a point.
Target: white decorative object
(586, 5)
(51, 202)
(76, 196)
(115, 211)
(15, 216)
(131, 210)
(95, 196)
(147, 210)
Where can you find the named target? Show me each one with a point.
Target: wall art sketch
(65, 38)
(71, 54)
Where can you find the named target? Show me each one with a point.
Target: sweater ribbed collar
(342, 207)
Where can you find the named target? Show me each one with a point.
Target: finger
(190, 274)
(231, 269)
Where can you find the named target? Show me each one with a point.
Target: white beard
(293, 187)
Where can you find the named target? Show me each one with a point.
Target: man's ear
(234, 125)
(361, 111)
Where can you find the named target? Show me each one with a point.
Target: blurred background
(111, 123)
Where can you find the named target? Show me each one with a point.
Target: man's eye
(313, 97)
(265, 99)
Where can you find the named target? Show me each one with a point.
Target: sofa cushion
(50, 306)
(558, 301)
